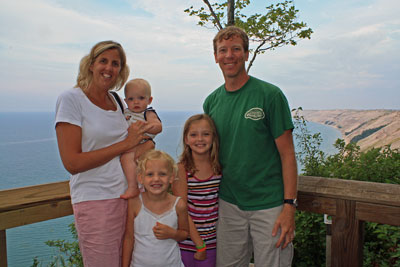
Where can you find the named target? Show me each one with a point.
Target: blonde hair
(85, 75)
(229, 32)
(142, 82)
(186, 157)
(156, 155)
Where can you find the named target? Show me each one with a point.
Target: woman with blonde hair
(92, 133)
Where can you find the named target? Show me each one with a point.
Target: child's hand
(200, 256)
(162, 231)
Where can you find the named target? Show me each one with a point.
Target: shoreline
(367, 128)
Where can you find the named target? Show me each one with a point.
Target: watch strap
(292, 202)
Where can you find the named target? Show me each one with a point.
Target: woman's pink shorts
(100, 225)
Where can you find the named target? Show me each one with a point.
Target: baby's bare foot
(130, 193)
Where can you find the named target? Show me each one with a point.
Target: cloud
(353, 51)
(47, 41)
(352, 54)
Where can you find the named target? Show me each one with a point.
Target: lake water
(29, 156)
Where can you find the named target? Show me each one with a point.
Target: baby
(138, 97)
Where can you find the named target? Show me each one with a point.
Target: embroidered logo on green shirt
(255, 114)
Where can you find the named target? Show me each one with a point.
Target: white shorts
(239, 231)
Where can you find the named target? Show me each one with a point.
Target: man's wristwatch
(292, 202)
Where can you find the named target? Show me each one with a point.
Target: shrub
(69, 250)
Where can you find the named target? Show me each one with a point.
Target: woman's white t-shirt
(100, 128)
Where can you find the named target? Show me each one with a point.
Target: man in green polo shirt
(259, 185)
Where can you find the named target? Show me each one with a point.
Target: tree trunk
(231, 12)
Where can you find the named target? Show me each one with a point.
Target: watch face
(291, 201)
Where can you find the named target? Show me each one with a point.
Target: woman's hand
(135, 133)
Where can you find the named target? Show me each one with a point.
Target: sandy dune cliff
(368, 128)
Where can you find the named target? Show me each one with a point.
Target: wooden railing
(349, 202)
(26, 205)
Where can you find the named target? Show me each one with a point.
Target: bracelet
(201, 249)
(202, 246)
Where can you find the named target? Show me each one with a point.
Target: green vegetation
(69, 253)
(381, 242)
(365, 134)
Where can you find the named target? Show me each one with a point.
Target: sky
(352, 60)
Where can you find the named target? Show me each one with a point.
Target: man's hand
(286, 223)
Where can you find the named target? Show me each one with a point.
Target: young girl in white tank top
(156, 220)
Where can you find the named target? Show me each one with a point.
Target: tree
(276, 28)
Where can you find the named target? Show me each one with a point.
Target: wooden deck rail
(349, 202)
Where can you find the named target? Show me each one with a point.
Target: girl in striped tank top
(199, 175)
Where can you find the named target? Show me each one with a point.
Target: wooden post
(328, 243)
(3, 249)
(347, 236)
